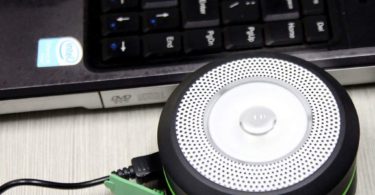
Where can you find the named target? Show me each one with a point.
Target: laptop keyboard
(133, 32)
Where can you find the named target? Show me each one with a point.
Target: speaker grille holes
(195, 144)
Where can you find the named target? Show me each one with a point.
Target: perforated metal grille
(297, 166)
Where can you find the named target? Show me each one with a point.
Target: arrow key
(111, 5)
(161, 19)
(152, 4)
(121, 48)
(120, 23)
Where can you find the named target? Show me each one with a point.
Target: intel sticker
(64, 51)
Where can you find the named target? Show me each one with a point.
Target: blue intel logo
(69, 51)
(65, 51)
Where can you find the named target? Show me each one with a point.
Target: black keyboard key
(243, 37)
(316, 29)
(111, 5)
(312, 7)
(200, 13)
(275, 10)
(158, 45)
(120, 23)
(203, 41)
(161, 19)
(121, 48)
(152, 4)
(240, 11)
(283, 33)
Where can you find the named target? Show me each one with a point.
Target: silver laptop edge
(160, 93)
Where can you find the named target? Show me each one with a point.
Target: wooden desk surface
(78, 145)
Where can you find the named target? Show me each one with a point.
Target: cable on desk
(50, 184)
(143, 169)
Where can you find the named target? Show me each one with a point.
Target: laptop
(98, 54)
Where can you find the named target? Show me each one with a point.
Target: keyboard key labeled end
(164, 44)
(240, 11)
(316, 29)
(202, 41)
(243, 37)
(121, 48)
(276, 10)
(283, 33)
(200, 13)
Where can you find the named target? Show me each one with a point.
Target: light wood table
(78, 145)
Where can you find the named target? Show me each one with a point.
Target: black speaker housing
(336, 176)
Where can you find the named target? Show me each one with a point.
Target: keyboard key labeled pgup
(200, 13)
(283, 33)
(276, 10)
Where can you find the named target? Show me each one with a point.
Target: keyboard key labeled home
(283, 33)
(316, 29)
(158, 31)
(275, 10)
(121, 48)
(240, 11)
(152, 4)
(202, 41)
(113, 5)
(156, 45)
(243, 37)
(200, 13)
(120, 23)
(312, 7)
(161, 19)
